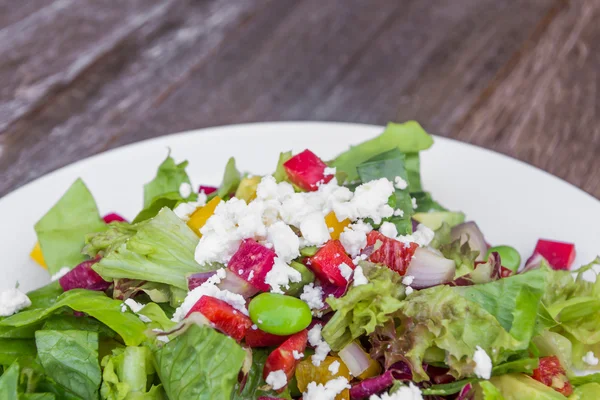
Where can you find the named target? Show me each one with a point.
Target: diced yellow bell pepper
(38, 257)
(337, 226)
(247, 188)
(202, 214)
(306, 373)
(372, 370)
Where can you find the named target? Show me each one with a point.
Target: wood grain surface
(78, 77)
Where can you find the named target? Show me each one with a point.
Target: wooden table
(78, 77)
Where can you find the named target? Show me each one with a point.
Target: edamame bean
(509, 256)
(279, 314)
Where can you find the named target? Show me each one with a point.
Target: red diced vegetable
(505, 272)
(552, 374)
(306, 170)
(258, 338)
(252, 262)
(207, 189)
(112, 217)
(282, 358)
(560, 255)
(393, 254)
(84, 277)
(326, 263)
(226, 318)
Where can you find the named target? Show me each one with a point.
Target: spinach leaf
(71, 359)
(45, 296)
(12, 349)
(61, 232)
(9, 383)
(230, 182)
(200, 364)
(169, 200)
(167, 180)
(97, 305)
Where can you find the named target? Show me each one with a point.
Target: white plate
(512, 202)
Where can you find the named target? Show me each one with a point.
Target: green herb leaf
(167, 180)
(230, 182)
(280, 174)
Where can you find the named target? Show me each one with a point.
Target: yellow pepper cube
(337, 226)
(306, 372)
(36, 254)
(202, 214)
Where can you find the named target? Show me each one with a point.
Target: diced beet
(326, 263)
(198, 279)
(505, 272)
(560, 255)
(393, 254)
(252, 262)
(112, 217)
(551, 373)
(84, 277)
(225, 318)
(306, 170)
(207, 189)
(258, 338)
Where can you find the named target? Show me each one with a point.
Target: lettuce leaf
(168, 200)
(408, 137)
(589, 391)
(230, 182)
(489, 391)
(71, 359)
(12, 349)
(255, 384)
(364, 307)
(101, 243)
(280, 174)
(201, 364)
(9, 383)
(461, 254)
(161, 250)
(96, 304)
(413, 169)
(167, 180)
(126, 373)
(61, 231)
(390, 165)
(45, 296)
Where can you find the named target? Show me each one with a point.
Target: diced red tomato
(108, 218)
(560, 255)
(207, 189)
(552, 374)
(258, 338)
(252, 262)
(282, 358)
(505, 272)
(306, 170)
(393, 254)
(326, 263)
(226, 318)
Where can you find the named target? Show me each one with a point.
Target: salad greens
(401, 298)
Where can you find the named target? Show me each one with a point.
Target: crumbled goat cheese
(163, 338)
(388, 229)
(328, 391)
(410, 392)
(329, 171)
(297, 355)
(354, 237)
(209, 288)
(408, 280)
(321, 346)
(334, 367)
(184, 210)
(285, 242)
(314, 229)
(250, 275)
(61, 272)
(369, 201)
(590, 358)
(281, 275)
(123, 308)
(185, 190)
(359, 277)
(313, 296)
(408, 290)
(277, 379)
(399, 213)
(414, 202)
(345, 270)
(400, 183)
(254, 327)
(359, 258)
(13, 301)
(136, 308)
(422, 236)
(483, 363)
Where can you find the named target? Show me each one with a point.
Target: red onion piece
(377, 384)
(207, 189)
(355, 358)
(430, 269)
(235, 284)
(469, 231)
(466, 393)
(112, 217)
(198, 279)
(534, 262)
(84, 277)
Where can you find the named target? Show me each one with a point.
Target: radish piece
(252, 262)
(559, 255)
(112, 217)
(207, 189)
(307, 171)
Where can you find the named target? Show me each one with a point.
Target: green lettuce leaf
(590, 391)
(97, 305)
(101, 243)
(585, 379)
(255, 384)
(126, 373)
(441, 318)
(461, 254)
(9, 383)
(390, 165)
(156, 292)
(71, 359)
(413, 169)
(364, 307)
(489, 391)
(425, 203)
(446, 389)
(408, 137)
(67, 322)
(45, 296)
(12, 349)
(519, 386)
(168, 200)
(162, 250)
(201, 364)
(231, 180)
(61, 231)
(280, 174)
(167, 180)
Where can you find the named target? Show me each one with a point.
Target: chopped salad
(339, 279)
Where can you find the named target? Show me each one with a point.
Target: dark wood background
(78, 77)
